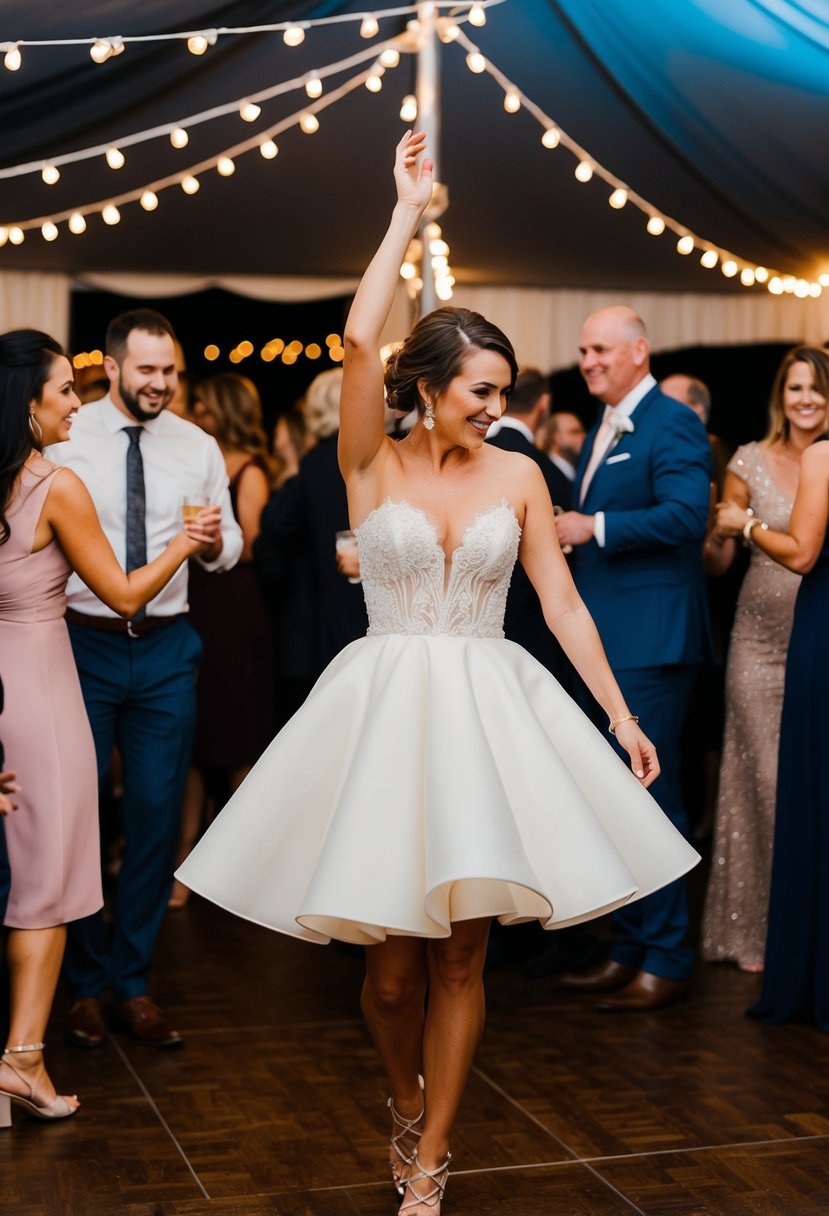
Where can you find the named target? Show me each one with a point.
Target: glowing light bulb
(815, 290)
(225, 166)
(313, 86)
(269, 149)
(50, 174)
(477, 15)
(408, 270)
(115, 158)
(369, 27)
(309, 123)
(439, 248)
(4, 235)
(449, 32)
(618, 199)
(190, 184)
(16, 235)
(111, 215)
(656, 225)
(685, 245)
(551, 137)
(789, 283)
(77, 223)
(584, 171)
(512, 102)
(729, 268)
(432, 230)
(294, 35)
(747, 276)
(801, 289)
(100, 50)
(762, 275)
(390, 57)
(197, 44)
(12, 58)
(776, 286)
(49, 231)
(179, 137)
(374, 82)
(149, 200)
(211, 352)
(250, 111)
(408, 110)
(709, 259)
(313, 350)
(476, 62)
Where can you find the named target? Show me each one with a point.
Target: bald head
(691, 392)
(614, 353)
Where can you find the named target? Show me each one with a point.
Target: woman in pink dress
(48, 528)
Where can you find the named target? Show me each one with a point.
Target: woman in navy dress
(796, 978)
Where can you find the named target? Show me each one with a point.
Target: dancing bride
(437, 776)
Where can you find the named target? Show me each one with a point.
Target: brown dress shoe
(143, 1019)
(84, 1025)
(647, 992)
(606, 978)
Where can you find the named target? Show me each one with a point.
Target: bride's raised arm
(361, 408)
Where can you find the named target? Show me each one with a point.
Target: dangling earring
(429, 416)
(35, 428)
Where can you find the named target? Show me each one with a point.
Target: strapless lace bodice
(409, 585)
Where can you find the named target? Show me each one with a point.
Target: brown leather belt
(116, 624)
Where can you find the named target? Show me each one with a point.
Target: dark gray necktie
(136, 506)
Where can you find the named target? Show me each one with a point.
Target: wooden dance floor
(276, 1104)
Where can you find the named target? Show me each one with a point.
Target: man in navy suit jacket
(642, 493)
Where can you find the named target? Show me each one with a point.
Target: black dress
(796, 977)
(235, 689)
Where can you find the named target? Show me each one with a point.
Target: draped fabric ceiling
(712, 110)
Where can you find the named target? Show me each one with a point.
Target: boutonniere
(622, 425)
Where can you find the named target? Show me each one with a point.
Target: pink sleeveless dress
(52, 837)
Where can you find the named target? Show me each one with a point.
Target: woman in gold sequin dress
(763, 477)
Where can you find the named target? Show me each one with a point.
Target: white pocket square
(616, 459)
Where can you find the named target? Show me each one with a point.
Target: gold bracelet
(619, 721)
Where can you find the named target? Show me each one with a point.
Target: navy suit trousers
(651, 933)
(140, 694)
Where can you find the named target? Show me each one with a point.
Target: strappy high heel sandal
(426, 1188)
(59, 1109)
(404, 1142)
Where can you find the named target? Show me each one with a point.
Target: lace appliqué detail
(411, 588)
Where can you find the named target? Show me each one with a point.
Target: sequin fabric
(411, 587)
(736, 904)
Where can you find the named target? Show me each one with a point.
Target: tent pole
(427, 89)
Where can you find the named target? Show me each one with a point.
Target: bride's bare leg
(454, 1025)
(393, 1000)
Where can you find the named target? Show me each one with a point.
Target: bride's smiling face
(474, 399)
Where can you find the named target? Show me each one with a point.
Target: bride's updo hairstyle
(435, 351)
(26, 358)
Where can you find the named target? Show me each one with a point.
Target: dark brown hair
(435, 351)
(120, 328)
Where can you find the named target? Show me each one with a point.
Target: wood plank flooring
(275, 1106)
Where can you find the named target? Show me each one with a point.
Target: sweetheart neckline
(448, 559)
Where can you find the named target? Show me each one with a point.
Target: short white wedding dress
(436, 772)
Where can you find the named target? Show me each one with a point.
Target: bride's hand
(643, 758)
(414, 185)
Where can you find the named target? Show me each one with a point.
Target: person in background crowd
(180, 401)
(796, 976)
(291, 440)
(762, 479)
(643, 490)
(139, 675)
(562, 438)
(48, 527)
(696, 395)
(234, 724)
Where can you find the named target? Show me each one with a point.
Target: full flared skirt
(427, 780)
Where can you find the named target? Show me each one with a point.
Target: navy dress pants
(140, 694)
(651, 933)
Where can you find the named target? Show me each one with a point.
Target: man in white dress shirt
(139, 677)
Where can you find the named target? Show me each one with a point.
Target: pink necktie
(604, 436)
